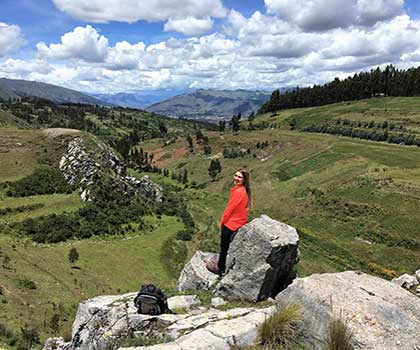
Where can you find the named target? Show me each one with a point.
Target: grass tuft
(339, 335)
(282, 330)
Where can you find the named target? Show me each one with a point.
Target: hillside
(211, 104)
(138, 99)
(12, 88)
(353, 201)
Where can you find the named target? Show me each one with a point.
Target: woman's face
(238, 178)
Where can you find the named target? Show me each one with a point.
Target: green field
(354, 202)
(37, 280)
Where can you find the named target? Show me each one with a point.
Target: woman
(235, 215)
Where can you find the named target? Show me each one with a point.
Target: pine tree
(185, 177)
(214, 168)
(73, 255)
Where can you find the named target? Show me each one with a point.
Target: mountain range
(211, 104)
(13, 88)
(139, 99)
(202, 104)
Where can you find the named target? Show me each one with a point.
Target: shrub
(45, 180)
(283, 328)
(5, 332)
(184, 235)
(26, 283)
(339, 335)
(383, 272)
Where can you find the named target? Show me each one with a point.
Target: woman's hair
(247, 185)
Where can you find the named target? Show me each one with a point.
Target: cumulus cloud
(189, 25)
(101, 11)
(320, 15)
(83, 43)
(262, 51)
(20, 67)
(10, 38)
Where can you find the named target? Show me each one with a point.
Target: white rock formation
(406, 281)
(382, 315)
(260, 261)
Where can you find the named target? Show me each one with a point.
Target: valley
(354, 202)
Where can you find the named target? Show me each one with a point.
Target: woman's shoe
(211, 265)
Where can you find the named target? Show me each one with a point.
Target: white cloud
(10, 38)
(101, 11)
(83, 43)
(373, 11)
(264, 51)
(125, 55)
(320, 15)
(20, 67)
(189, 25)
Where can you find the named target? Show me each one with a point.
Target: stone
(202, 339)
(260, 261)
(217, 302)
(56, 344)
(183, 302)
(195, 276)
(417, 274)
(380, 313)
(406, 281)
(241, 331)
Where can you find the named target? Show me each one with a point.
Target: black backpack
(150, 300)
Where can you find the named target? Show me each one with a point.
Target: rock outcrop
(82, 169)
(259, 265)
(102, 322)
(406, 281)
(260, 261)
(194, 275)
(380, 313)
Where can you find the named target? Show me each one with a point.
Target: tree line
(387, 82)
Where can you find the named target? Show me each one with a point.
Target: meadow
(354, 202)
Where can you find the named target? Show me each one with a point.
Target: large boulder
(381, 314)
(260, 261)
(194, 275)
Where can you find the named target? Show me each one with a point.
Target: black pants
(226, 237)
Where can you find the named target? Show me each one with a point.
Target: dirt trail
(60, 131)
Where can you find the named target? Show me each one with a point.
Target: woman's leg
(224, 247)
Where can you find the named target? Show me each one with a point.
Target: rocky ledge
(82, 169)
(380, 314)
(102, 322)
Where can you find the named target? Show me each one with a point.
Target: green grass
(51, 203)
(109, 265)
(339, 335)
(369, 189)
(287, 171)
(355, 202)
(283, 329)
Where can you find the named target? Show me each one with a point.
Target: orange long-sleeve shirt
(236, 212)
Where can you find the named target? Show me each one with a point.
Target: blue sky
(109, 47)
